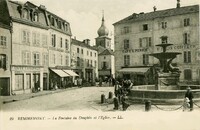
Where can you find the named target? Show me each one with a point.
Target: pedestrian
(110, 82)
(117, 86)
(75, 82)
(113, 82)
(80, 82)
(125, 104)
(118, 91)
(130, 85)
(100, 82)
(189, 95)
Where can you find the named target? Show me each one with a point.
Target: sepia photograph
(99, 64)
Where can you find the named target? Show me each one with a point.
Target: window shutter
(185, 57)
(149, 41)
(184, 22)
(184, 38)
(6, 60)
(143, 57)
(188, 21)
(140, 27)
(29, 56)
(189, 56)
(124, 60)
(23, 57)
(140, 42)
(188, 38)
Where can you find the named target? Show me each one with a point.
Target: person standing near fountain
(189, 95)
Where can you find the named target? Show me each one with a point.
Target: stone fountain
(166, 89)
(167, 74)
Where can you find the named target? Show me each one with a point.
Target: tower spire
(102, 15)
(103, 31)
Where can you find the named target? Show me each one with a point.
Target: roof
(107, 52)
(100, 49)
(82, 44)
(159, 14)
(4, 13)
(13, 9)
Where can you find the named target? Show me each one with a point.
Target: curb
(42, 94)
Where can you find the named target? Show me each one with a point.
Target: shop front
(138, 75)
(89, 77)
(26, 79)
(105, 74)
(61, 78)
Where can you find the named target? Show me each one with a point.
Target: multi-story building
(105, 54)
(84, 59)
(59, 33)
(5, 51)
(36, 40)
(137, 35)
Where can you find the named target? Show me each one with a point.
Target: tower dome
(103, 31)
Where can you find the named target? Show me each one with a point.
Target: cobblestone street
(86, 98)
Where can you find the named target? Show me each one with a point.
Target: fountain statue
(167, 75)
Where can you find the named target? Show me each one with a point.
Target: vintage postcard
(99, 64)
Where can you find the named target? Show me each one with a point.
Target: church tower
(103, 40)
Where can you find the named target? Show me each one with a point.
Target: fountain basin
(139, 94)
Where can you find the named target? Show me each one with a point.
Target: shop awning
(71, 73)
(134, 70)
(60, 73)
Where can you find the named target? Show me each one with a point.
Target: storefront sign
(24, 68)
(134, 50)
(180, 47)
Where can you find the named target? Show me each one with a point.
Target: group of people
(121, 90)
(110, 81)
(78, 82)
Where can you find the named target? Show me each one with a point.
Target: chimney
(42, 7)
(86, 41)
(154, 8)
(75, 37)
(178, 5)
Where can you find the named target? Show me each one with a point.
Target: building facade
(137, 35)
(5, 59)
(84, 60)
(38, 41)
(106, 66)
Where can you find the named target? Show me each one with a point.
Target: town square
(101, 56)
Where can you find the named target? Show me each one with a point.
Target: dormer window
(63, 24)
(35, 17)
(59, 24)
(25, 14)
(66, 27)
(56, 23)
(52, 21)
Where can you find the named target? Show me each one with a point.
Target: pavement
(19, 97)
(85, 100)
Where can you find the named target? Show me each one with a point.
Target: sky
(85, 16)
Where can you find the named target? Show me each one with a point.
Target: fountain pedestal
(167, 81)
